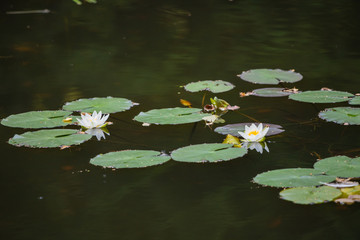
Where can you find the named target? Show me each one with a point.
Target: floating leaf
(293, 177)
(270, 92)
(130, 159)
(105, 105)
(270, 76)
(355, 100)
(215, 86)
(321, 96)
(37, 119)
(49, 138)
(171, 116)
(310, 195)
(341, 115)
(350, 191)
(340, 166)
(232, 140)
(207, 152)
(234, 129)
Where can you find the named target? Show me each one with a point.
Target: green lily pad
(130, 159)
(171, 116)
(207, 152)
(37, 119)
(105, 105)
(355, 100)
(234, 129)
(215, 86)
(340, 166)
(321, 96)
(310, 195)
(341, 115)
(293, 177)
(270, 92)
(270, 76)
(49, 138)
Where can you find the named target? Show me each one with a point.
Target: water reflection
(258, 146)
(98, 132)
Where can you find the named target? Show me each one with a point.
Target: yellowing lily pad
(270, 76)
(310, 195)
(340, 166)
(321, 96)
(37, 119)
(207, 152)
(234, 129)
(341, 115)
(130, 159)
(215, 86)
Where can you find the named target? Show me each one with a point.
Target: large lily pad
(310, 195)
(105, 105)
(271, 92)
(234, 129)
(355, 101)
(321, 96)
(49, 138)
(293, 177)
(215, 86)
(340, 166)
(341, 115)
(270, 76)
(37, 119)
(207, 152)
(171, 116)
(130, 159)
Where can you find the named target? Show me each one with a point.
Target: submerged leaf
(310, 195)
(341, 115)
(215, 86)
(270, 76)
(321, 96)
(270, 92)
(234, 129)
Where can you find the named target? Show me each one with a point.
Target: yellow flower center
(253, 133)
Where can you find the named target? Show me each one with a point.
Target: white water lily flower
(254, 133)
(97, 132)
(96, 120)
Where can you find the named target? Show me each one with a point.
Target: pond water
(143, 51)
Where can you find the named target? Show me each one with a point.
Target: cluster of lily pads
(240, 137)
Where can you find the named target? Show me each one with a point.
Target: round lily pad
(234, 129)
(49, 138)
(293, 177)
(105, 105)
(341, 115)
(207, 152)
(215, 86)
(310, 195)
(130, 159)
(171, 116)
(270, 92)
(270, 76)
(37, 119)
(340, 166)
(321, 96)
(355, 101)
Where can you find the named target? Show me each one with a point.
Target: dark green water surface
(143, 51)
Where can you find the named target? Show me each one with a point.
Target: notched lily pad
(271, 92)
(310, 195)
(37, 119)
(49, 138)
(207, 152)
(270, 76)
(171, 116)
(130, 159)
(293, 177)
(105, 105)
(321, 96)
(341, 166)
(341, 115)
(355, 100)
(234, 129)
(215, 86)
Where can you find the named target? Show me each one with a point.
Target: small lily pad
(37, 119)
(340, 166)
(293, 177)
(355, 100)
(234, 129)
(341, 115)
(270, 92)
(49, 138)
(130, 159)
(207, 152)
(310, 195)
(270, 76)
(105, 105)
(321, 96)
(215, 86)
(171, 116)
